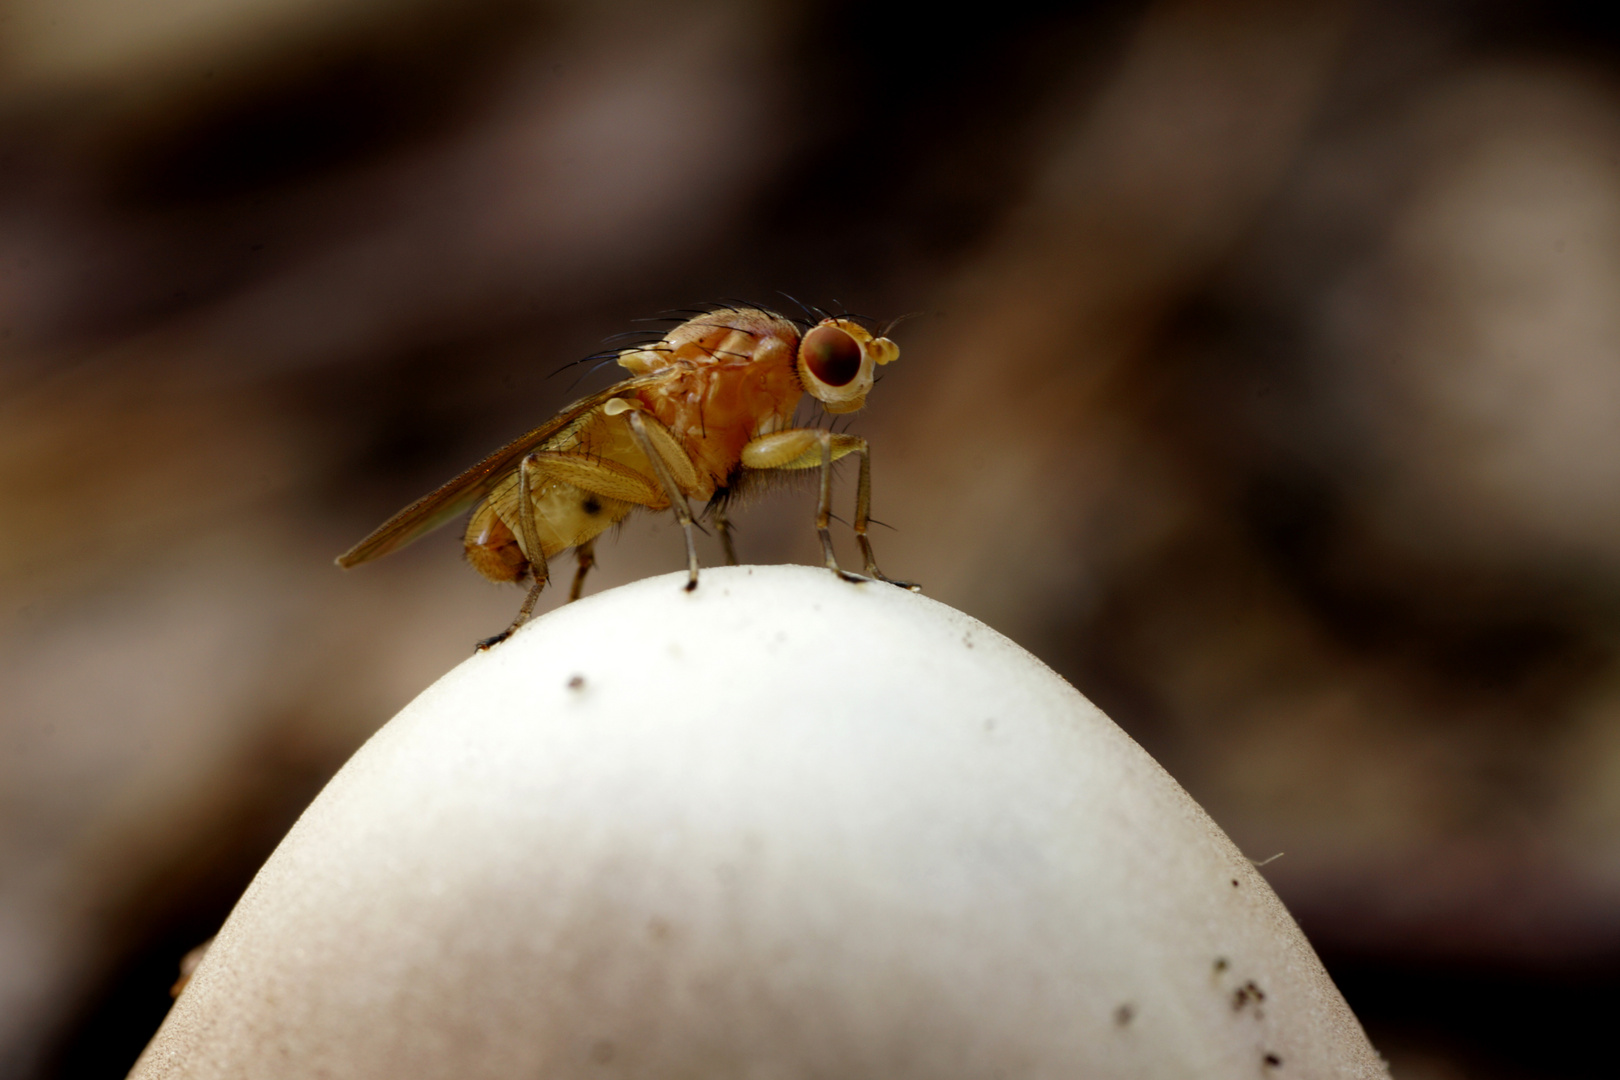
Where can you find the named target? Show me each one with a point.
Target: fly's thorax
(729, 336)
(713, 411)
(836, 361)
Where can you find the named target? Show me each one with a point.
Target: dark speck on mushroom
(1246, 993)
(1272, 1061)
(1124, 1014)
(577, 682)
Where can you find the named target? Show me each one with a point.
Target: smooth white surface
(783, 826)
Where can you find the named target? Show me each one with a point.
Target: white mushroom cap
(783, 826)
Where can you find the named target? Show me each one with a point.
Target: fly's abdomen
(565, 516)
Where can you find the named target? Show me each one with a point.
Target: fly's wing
(461, 494)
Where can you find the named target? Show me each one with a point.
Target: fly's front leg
(824, 508)
(810, 448)
(529, 537)
(863, 516)
(677, 498)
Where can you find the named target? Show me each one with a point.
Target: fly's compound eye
(831, 355)
(836, 359)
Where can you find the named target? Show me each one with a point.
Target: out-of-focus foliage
(1265, 381)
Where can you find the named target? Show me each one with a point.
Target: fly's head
(836, 361)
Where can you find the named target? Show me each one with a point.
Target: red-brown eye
(831, 355)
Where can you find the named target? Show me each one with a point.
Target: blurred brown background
(1266, 384)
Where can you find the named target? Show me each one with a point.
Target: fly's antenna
(897, 320)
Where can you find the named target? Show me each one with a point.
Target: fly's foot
(691, 583)
(874, 574)
(909, 586)
(487, 643)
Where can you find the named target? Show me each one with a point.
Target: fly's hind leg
(529, 534)
(585, 554)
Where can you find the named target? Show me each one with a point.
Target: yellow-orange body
(714, 398)
(717, 388)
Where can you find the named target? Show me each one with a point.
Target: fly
(704, 408)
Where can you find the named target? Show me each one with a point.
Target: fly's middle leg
(585, 557)
(722, 525)
(672, 491)
(810, 448)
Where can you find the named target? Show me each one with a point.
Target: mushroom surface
(783, 826)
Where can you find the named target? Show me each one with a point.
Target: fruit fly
(705, 410)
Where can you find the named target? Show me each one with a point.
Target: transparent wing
(461, 494)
